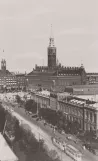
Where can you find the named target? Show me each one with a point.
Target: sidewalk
(87, 156)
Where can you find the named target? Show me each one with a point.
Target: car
(30, 113)
(72, 139)
(69, 137)
(34, 116)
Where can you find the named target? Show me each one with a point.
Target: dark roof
(70, 71)
(57, 71)
(88, 74)
(20, 75)
(41, 73)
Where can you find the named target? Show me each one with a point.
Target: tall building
(3, 66)
(54, 76)
(9, 80)
(74, 109)
(51, 53)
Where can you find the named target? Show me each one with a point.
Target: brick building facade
(55, 75)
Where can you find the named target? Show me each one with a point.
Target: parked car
(30, 113)
(72, 139)
(89, 147)
(34, 116)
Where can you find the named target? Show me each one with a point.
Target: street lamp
(26, 83)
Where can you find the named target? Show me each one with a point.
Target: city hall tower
(51, 52)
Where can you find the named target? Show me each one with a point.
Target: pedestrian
(83, 147)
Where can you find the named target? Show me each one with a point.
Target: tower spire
(51, 52)
(51, 39)
(82, 66)
(51, 33)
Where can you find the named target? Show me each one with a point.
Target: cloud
(76, 31)
(28, 14)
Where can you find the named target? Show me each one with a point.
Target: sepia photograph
(48, 80)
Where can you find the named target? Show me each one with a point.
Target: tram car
(70, 150)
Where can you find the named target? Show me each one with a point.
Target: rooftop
(90, 97)
(43, 93)
(82, 103)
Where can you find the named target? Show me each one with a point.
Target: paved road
(38, 132)
(20, 113)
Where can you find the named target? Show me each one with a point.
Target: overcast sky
(25, 30)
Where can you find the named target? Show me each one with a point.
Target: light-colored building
(10, 80)
(92, 78)
(82, 112)
(85, 112)
(88, 89)
(42, 98)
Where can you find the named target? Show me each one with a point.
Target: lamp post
(26, 84)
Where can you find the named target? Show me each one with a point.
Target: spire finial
(51, 34)
(82, 63)
(51, 40)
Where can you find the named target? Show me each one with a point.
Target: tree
(18, 99)
(2, 118)
(49, 115)
(35, 149)
(31, 105)
(12, 126)
(76, 127)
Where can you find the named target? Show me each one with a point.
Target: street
(45, 132)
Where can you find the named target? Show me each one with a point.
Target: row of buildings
(54, 76)
(85, 112)
(9, 80)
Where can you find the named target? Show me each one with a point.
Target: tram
(70, 150)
